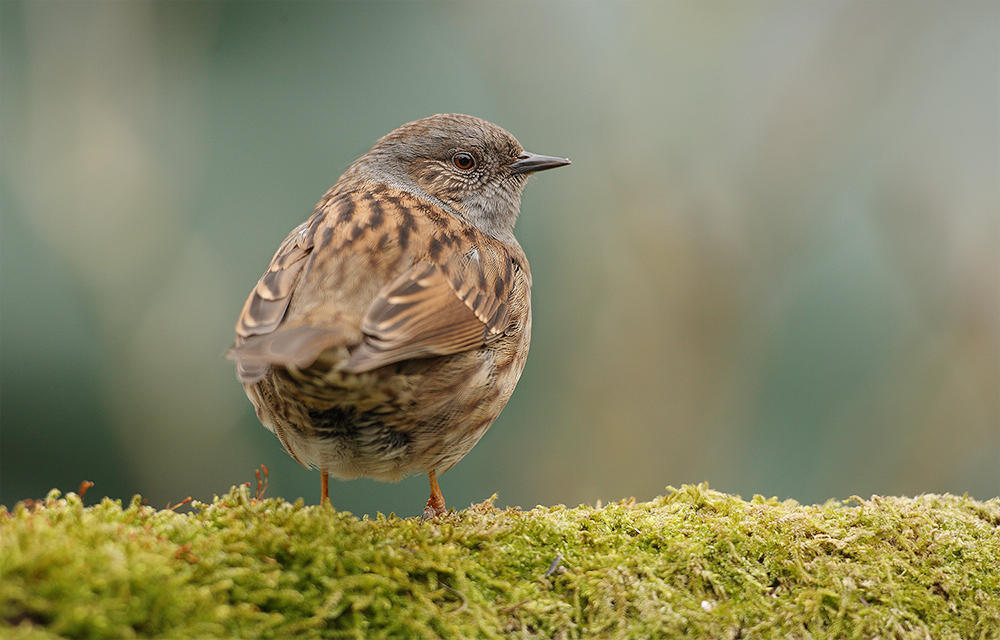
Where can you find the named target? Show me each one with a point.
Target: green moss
(696, 563)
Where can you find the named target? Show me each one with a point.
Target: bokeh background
(774, 264)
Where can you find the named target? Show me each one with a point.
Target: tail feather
(295, 346)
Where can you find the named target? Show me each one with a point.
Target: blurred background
(774, 264)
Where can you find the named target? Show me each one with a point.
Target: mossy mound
(695, 564)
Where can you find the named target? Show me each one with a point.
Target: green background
(774, 264)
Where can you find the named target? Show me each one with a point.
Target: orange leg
(324, 486)
(435, 504)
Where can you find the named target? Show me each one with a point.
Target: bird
(391, 327)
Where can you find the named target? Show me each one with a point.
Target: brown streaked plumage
(391, 327)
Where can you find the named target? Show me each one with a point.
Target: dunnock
(391, 327)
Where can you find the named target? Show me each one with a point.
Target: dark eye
(463, 160)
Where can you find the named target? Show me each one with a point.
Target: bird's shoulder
(377, 233)
(380, 217)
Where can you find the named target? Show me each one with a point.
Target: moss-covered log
(695, 564)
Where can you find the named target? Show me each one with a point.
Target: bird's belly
(406, 418)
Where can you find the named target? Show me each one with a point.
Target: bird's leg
(324, 486)
(435, 504)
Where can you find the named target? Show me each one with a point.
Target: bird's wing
(451, 299)
(266, 306)
(258, 341)
(438, 309)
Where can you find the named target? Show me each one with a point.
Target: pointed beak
(530, 163)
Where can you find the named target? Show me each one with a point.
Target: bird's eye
(463, 160)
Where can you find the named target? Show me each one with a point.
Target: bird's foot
(435, 504)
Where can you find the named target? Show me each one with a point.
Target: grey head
(470, 167)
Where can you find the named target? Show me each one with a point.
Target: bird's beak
(530, 163)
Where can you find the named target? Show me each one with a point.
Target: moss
(695, 563)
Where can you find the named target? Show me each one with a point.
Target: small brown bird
(391, 327)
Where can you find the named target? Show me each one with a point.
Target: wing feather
(265, 309)
(429, 311)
